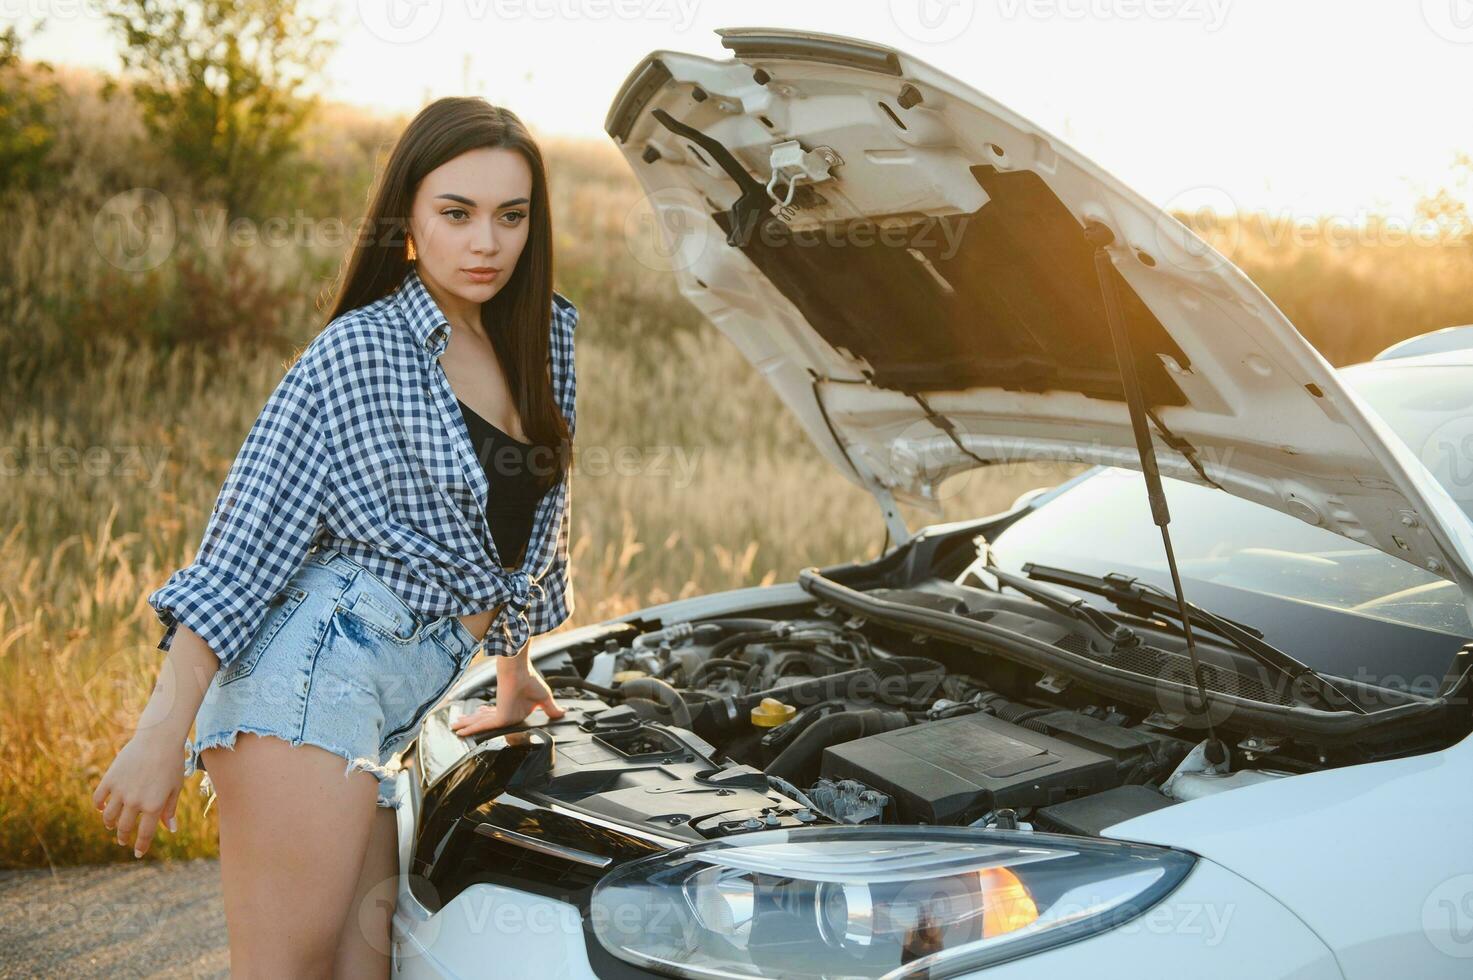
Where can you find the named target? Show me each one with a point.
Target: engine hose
(793, 792)
(954, 711)
(909, 682)
(798, 763)
(738, 641)
(1013, 711)
(913, 665)
(778, 738)
(740, 623)
(721, 715)
(923, 677)
(646, 709)
(960, 687)
(825, 659)
(718, 663)
(1019, 714)
(685, 661)
(657, 690)
(579, 684)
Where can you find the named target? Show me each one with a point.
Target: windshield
(1431, 408)
(1295, 581)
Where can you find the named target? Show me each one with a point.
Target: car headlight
(872, 901)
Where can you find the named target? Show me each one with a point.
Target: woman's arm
(520, 690)
(140, 789)
(264, 519)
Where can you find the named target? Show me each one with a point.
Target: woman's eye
(456, 214)
(515, 216)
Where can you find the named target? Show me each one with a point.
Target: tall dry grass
(128, 392)
(1352, 290)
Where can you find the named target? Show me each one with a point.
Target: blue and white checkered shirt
(363, 448)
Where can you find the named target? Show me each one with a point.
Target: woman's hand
(141, 788)
(520, 690)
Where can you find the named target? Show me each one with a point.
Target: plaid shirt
(362, 447)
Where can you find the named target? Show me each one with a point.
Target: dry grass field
(127, 392)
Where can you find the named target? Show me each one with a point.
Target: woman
(353, 562)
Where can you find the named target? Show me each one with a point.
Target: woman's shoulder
(361, 340)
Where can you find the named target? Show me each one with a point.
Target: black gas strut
(1101, 237)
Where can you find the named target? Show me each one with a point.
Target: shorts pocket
(278, 611)
(396, 624)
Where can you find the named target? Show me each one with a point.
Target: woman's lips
(482, 275)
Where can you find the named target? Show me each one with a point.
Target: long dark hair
(518, 319)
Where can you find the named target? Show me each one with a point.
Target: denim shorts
(338, 661)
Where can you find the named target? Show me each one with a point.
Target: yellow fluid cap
(629, 675)
(771, 713)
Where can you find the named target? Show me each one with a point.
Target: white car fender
(1377, 859)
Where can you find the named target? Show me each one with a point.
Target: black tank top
(517, 480)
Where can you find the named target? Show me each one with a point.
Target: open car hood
(926, 300)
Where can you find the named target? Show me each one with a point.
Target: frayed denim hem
(226, 740)
(393, 803)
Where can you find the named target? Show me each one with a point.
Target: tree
(26, 134)
(225, 84)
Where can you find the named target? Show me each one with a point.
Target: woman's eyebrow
(468, 202)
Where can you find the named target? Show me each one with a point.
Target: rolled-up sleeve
(264, 520)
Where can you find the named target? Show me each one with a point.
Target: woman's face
(469, 217)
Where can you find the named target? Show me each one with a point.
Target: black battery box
(1088, 817)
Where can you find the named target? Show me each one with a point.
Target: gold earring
(409, 252)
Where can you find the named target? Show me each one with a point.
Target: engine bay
(812, 714)
(739, 724)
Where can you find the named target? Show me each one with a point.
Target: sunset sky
(1303, 107)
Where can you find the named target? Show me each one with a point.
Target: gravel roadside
(155, 919)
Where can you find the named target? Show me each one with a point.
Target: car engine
(699, 730)
(815, 720)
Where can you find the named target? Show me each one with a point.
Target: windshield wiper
(1143, 599)
(1110, 632)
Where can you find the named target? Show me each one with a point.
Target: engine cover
(609, 762)
(956, 770)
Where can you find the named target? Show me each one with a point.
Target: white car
(998, 748)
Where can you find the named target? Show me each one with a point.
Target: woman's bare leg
(293, 834)
(363, 947)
